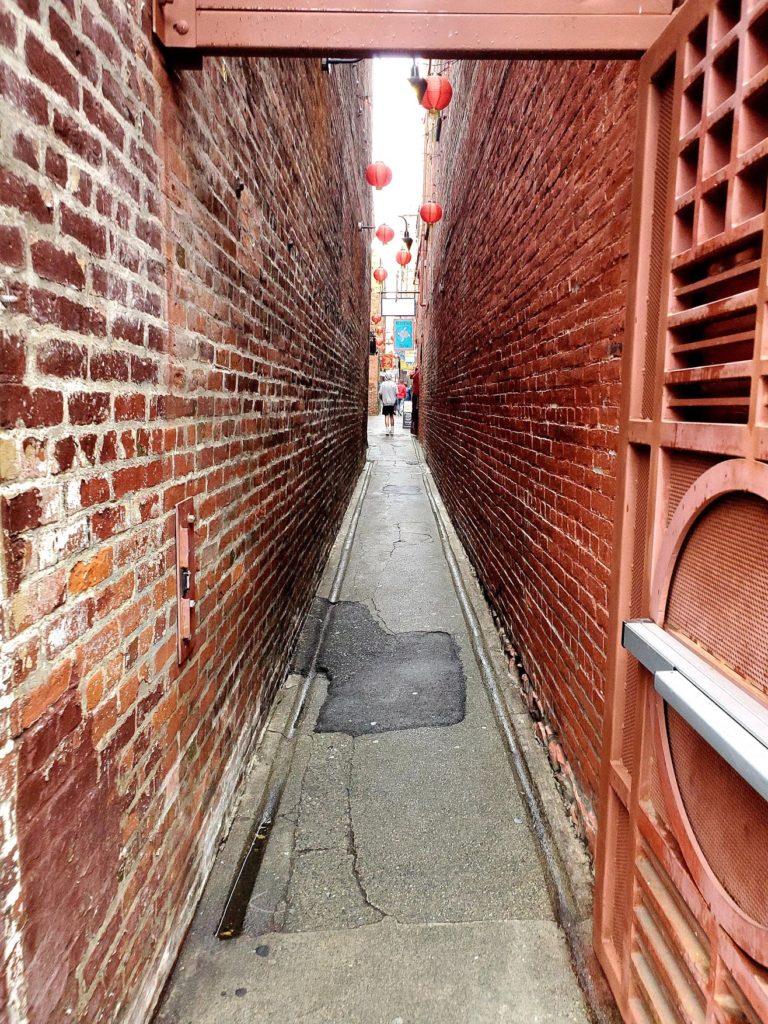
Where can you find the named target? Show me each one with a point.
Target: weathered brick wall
(526, 278)
(162, 337)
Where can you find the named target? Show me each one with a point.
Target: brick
(24, 95)
(59, 358)
(107, 522)
(88, 406)
(130, 407)
(11, 246)
(55, 264)
(9, 459)
(87, 231)
(46, 694)
(109, 366)
(22, 406)
(25, 197)
(23, 511)
(47, 68)
(128, 480)
(13, 358)
(94, 491)
(75, 136)
(90, 573)
(50, 308)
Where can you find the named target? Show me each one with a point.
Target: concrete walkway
(401, 882)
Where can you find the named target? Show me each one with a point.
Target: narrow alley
(306, 716)
(402, 880)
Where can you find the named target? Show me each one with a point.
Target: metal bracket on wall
(733, 722)
(185, 579)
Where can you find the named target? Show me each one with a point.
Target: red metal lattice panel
(695, 556)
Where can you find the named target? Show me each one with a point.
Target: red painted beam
(558, 28)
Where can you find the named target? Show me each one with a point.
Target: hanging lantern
(384, 233)
(403, 257)
(378, 174)
(380, 274)
(375, 319)
(437, 94)
(431, 213)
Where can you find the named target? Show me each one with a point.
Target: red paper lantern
(380, 274)
(375, 319)
(431, 213)
(378, 174)
(437, 95)
(384, 233)
(403, 257)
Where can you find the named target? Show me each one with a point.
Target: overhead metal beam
(498, 28)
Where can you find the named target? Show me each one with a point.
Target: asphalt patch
(382, 682)
(401, 489)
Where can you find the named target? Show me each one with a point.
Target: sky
(398, 140)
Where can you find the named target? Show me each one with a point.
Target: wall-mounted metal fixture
(326, 63)
(186, 593)
(733, 722)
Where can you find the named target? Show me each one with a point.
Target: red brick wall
(526, 279)
(162, 338)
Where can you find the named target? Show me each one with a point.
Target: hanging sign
(403, 335)
(393, 304)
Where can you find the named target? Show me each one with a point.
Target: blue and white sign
(403, 335)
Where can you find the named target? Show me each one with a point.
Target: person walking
(400, 397)
(388, 396)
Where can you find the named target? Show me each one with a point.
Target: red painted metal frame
(547, 28)
(186, 598)
(674, 945)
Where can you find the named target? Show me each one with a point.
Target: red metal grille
(729, 819)
(718, 594)
(664, 83)
(720, 201)
(684, 470)
(621, 872)
(673, 949)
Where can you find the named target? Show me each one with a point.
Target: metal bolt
(182, 27)
(191, 519)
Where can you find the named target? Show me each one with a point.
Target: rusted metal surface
(681, 922)
(605, 28)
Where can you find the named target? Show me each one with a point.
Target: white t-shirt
(388, 392)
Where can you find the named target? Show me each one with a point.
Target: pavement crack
(352, 845)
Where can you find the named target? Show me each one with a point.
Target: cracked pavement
(402, 882)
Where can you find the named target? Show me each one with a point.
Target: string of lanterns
(434, 93)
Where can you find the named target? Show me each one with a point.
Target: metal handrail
(733, 722)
